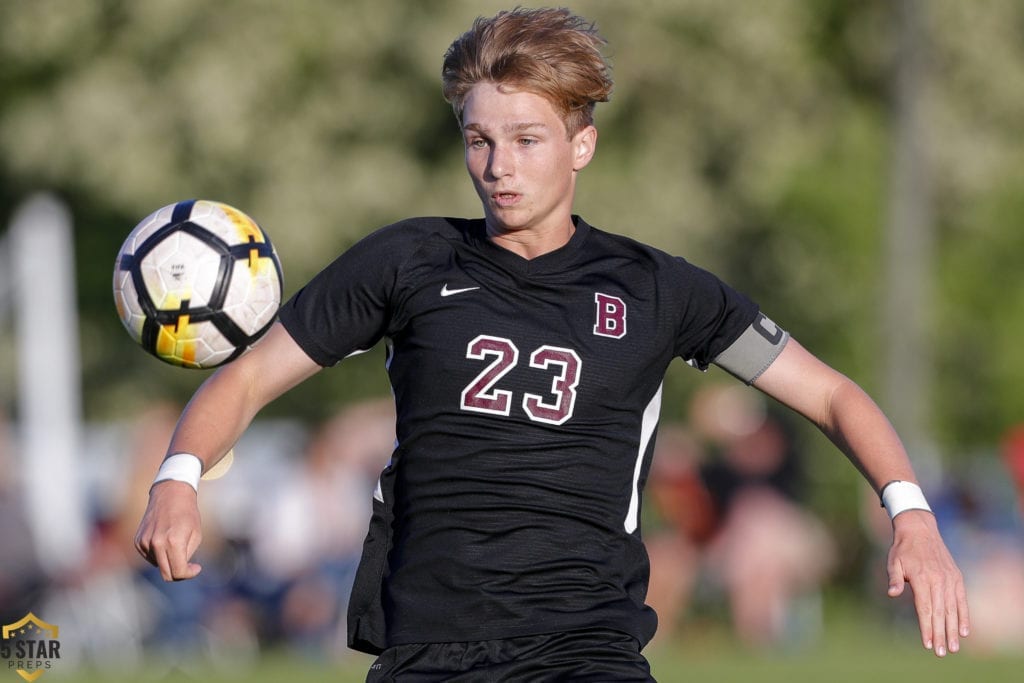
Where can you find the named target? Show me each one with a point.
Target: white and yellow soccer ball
(196, 283)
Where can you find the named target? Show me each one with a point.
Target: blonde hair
(549, 52)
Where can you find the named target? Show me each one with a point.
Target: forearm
(842, 410)
(226, 403)
(216, 416)
(858, 427)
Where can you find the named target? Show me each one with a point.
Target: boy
(526, 351)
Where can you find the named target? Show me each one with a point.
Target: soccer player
(526, 350)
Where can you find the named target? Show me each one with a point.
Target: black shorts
(593, 655)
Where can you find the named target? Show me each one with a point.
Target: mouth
(505, 199)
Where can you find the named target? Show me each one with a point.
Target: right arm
(219, 412)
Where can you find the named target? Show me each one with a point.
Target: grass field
(851, 648)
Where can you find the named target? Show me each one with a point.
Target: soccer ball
(196, 283)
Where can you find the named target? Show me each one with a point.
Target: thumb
(193, 570)
(194, 539)
(897, 580)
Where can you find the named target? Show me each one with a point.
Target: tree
(750, 137)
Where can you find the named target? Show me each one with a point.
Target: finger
(963, 611)
(897, 582)
(938, 613)
(923, 607)
(956, 616)
(162, 562)
(178, 561)
(194, 539)
(192, 572)
(194, 568)
(952, 624)
(142, 547)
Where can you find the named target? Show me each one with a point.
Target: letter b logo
(611, 316)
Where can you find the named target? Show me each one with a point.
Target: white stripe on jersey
(650, 420)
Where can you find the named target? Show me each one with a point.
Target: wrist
(183, 467)
(900, 496)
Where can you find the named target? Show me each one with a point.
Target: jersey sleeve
(345, 308)
(721, 325)
(713, 315)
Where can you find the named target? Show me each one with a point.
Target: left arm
(855, 424)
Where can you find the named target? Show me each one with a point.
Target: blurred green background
(756, 139)
(781, 144)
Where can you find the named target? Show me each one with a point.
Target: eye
(527, 142)
(476, 143)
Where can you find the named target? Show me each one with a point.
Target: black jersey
(527, 396)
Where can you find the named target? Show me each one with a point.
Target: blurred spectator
(1013, 456)
(684, 522)
(105, 611)
(116, 612)
(21, 576)
(983, 510)
(197, 623)
(771, 554)
(995, 583)
(978, 505)
(744, 520)
(308, 535)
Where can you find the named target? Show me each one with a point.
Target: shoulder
(683, 284)
(396, 243)
(634, 250)
(422, 228)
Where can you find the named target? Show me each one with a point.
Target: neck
(531, 243)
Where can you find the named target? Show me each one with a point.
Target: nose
(502, 162)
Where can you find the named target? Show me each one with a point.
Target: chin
(506, 221)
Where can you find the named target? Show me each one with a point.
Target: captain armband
(754, 350)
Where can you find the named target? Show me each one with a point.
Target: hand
(170, 530)
(919, 557)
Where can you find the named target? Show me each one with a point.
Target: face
(521, 161)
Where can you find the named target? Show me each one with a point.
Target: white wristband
(181, 467)
(900, 496)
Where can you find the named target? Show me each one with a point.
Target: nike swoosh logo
(448, 292)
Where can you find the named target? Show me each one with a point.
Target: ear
(584, 146)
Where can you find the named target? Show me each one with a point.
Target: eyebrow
(511, 128)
